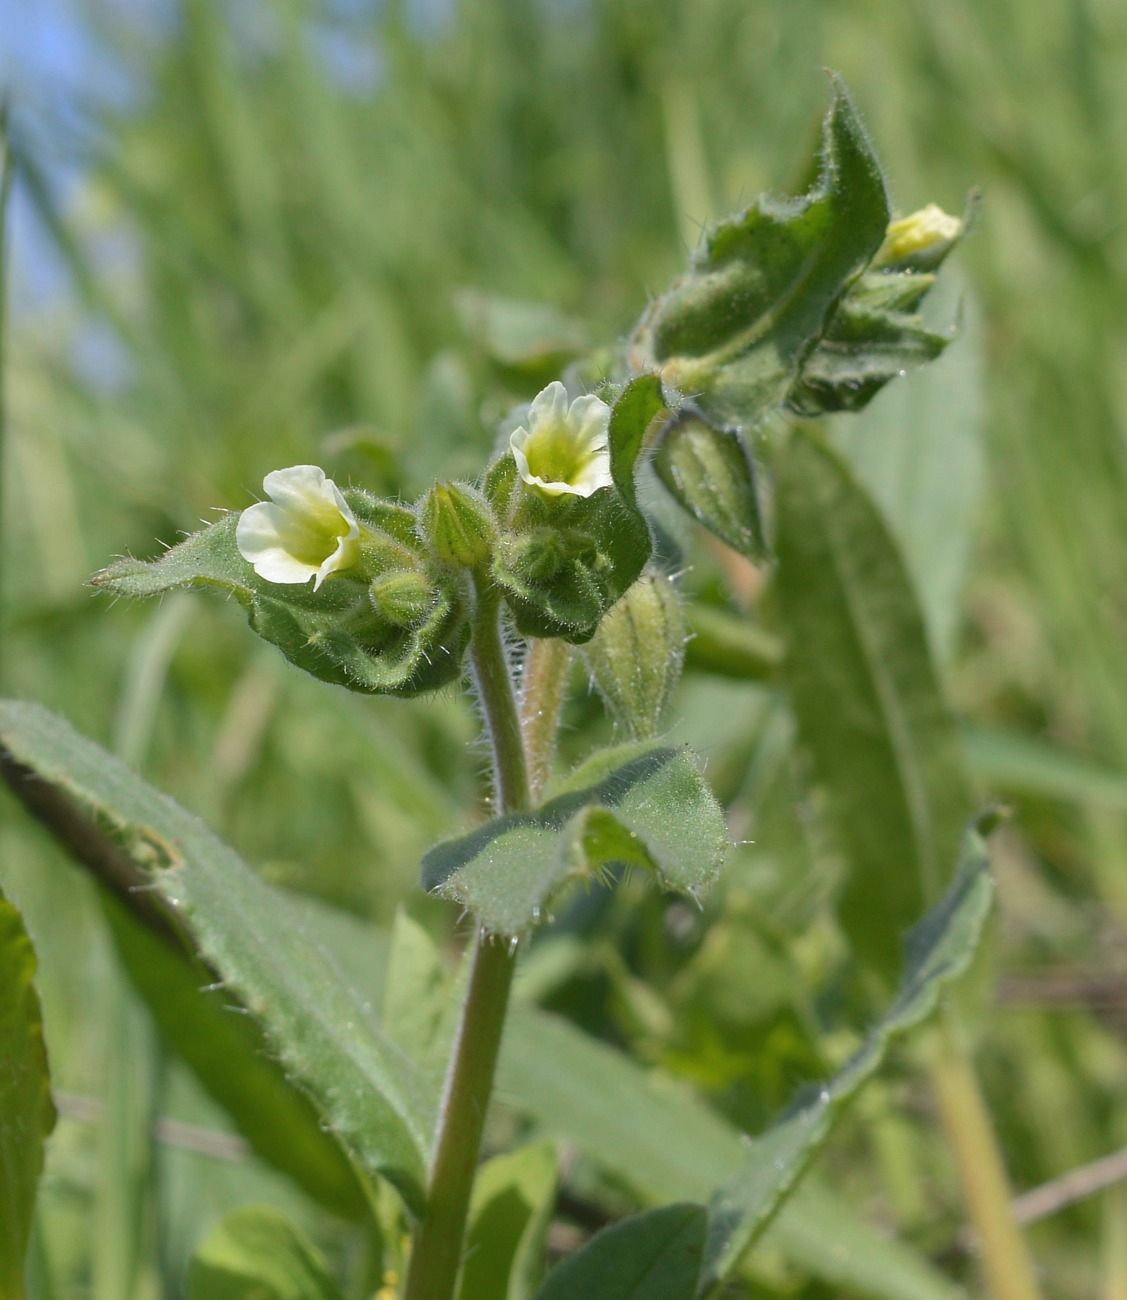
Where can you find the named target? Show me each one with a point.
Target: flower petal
(549, 405)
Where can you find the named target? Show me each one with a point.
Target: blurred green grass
(292, 246)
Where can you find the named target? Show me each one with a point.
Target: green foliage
(664, 1146)
(734, 333)
(710, 473)
(323, 1031)
(651, 1256)
(563, 562)
(636, 656)
(232, 1059)
(257, 1254)
(512, 1204)
(939, 950)
(337, 633)
(865, 696)
(640, 805)
(27, 1113)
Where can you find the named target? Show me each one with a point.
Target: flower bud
(401, 597)
(458, 525)
(635, 657)
(919, 242)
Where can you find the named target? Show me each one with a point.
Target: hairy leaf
(939, 950)
(320, 1026)
(229, 1055)
(27, 1113)
(867, 701)
(734, 332)
(636, 805)
(666, 1146)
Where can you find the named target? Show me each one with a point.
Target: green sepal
(458, 525)
(636, 656)
(712, 475)
(564, 561)
(335, 633)
(874, 337)
(634, 805)
(733, 333)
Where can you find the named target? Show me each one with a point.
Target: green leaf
(867, 701)
(1027, 766)
(666, 1146)
(256, 1253)
(734, 332)
(27, 1113)
(334, 633)
(939, 950)
(635, 805)
(919, 450)
(710, 473)
(418, 1001)
(564, 562)
(513, 1198)
(863, 348)
(230, 1056)
(317, 1023)
(650, 1256)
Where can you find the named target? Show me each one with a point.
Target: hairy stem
(436, 1253)
(1005, 1259)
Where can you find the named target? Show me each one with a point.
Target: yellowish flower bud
(922, 239)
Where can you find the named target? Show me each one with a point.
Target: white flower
(564, 449)
(306, 530)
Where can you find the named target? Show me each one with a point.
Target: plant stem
(542, 685)
(436, 1253)
(1005, 1258)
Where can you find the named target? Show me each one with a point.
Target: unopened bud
(458, 525)
(401, 597)
(919, 242)
(635, 657)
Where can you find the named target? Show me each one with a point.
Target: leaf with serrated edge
(939, 950)
(318, 1024)
(27, 1113)
(637, 805)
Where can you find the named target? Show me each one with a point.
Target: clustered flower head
(564, 451)
(306, 530)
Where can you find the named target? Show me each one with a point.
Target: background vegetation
(303, 231)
